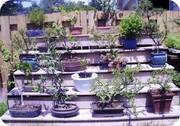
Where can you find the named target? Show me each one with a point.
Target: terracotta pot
(114, 110)
(72, 65)
(76, 30)
(161, 103)
(73, 110)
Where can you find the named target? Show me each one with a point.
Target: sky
(27, 4)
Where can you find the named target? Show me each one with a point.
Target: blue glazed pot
(130, 43)
(35, 33)
(30, 59)
(158, 59)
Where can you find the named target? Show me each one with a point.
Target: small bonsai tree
(151, 28)
(162, 78)
(37, 17)
(130, 27)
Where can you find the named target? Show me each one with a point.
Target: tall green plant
(151, 28)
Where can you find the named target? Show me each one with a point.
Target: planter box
(76, 30)
(115, 111)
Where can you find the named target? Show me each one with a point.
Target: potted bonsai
(24, 45)
(84, 80)
(107, 91)
(129, 29)
(151, 29)
(108, 15)
(35, 28)
(172, 41)
(24, 110)
(161, 96)
(69, 63)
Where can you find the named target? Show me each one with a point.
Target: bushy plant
(3, 108)
(176, 79)
(173, 41)
(36, 17)
(131, 26)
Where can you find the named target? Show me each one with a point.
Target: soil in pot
(65, 110)
(25, 111)
(85, 75)
(161, 102)
(114, 109)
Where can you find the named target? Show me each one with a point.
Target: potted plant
(36, 18)
(84, 80)
(107, 91)
(60, 107)
(24, 110)
(129, 29)
(151, 29)
(24, 45)
(108, 15)
(69, 63)
(161, 96)
(172, 41)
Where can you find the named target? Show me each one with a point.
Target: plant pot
(101, 22)
(25, 111)
(130, 43)
(161, 103)
(30, 59)
(83, 84)
(158, 59)
(42, 46)
(104, 65)
(35, 33)
(113, 110)
(76, 30)
(72, 65)
(70, 111)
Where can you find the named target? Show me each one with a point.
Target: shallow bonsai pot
(30, 59)
(76, 30)
(72, 65)
(158, 59)
(130, 43)
(83, 84)
(101, 22)
(26, 111)
(68, 112)
(114, 110)
(161, 103)
(42, 46)
(35, 33)
(104, 65)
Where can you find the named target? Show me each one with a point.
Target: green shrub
(3, 108)
(173, 41)
(131, 26)
(176, 79)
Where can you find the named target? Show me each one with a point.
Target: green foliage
(25, 67)
(162, 77)
(173, 41)
(176, 79)
(151, 28)
(131, 26)
(21, 42)
(177, 21)
(37, 17)
(3, 108)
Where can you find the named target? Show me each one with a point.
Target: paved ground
(2, 94)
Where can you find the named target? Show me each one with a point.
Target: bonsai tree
(69, 62)
(11, 59)
(108, 12)
(161, 95)
(152, 30)
(173, 41)
(36, 18)
(129, 29)
(24, 45)
(108, 91)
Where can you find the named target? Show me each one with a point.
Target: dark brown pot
(71, 65)
(113, 110)
(161, 103)
(101, 22)
(71, 111)
(76, 30)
